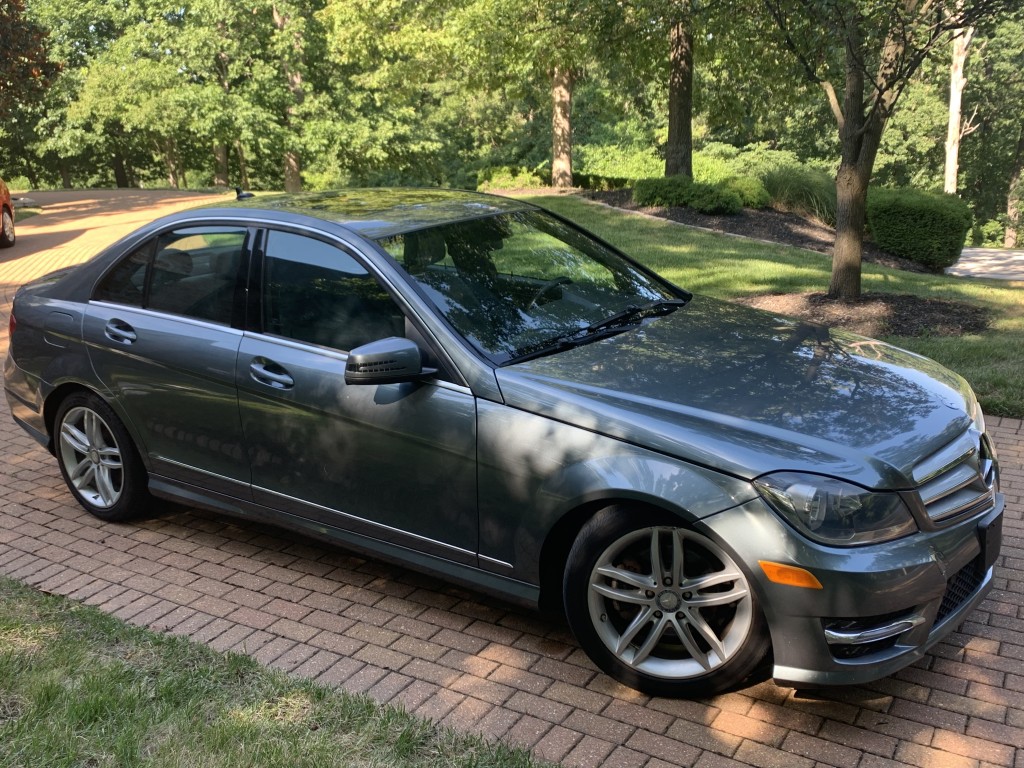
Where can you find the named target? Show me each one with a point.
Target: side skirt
(512, 590)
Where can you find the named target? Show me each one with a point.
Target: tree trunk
(957, 81)
(65, 174)
(561, 128)
(679, 147)
(120, 174)
(167, 152)
(220, 162)
(293, 77)
(243, 167)
(851, 214)
(1013, 198)
(292, 172)
(860, 135)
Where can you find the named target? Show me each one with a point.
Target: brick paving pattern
(474, 663)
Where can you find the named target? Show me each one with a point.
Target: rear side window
(196, 272)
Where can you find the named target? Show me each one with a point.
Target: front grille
(959, 480)
(961, 587)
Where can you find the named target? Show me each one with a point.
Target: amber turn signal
(789, 575)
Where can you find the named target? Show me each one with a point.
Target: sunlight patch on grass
(26, 640)
(291, 709)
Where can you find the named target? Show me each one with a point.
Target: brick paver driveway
(461, 658)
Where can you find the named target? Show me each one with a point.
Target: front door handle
(120, 331)
(270, 373)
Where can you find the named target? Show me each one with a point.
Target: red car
(7, 213)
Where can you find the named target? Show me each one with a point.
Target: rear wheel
(662, 608)
(98, 459)
(6, 229)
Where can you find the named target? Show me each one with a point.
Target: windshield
(517, 283)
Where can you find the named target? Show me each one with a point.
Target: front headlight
(835, 512)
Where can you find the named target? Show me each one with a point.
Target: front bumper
(880, 607)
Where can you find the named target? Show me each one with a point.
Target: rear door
(163, 329)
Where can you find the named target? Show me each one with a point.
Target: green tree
(863, 53)
(25, 68)
(26, 74)
(544, 44)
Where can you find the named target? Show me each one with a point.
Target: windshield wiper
(601, 329)
(561, 343)
(635, 313)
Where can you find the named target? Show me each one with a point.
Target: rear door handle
(270, 373)
(120, 331)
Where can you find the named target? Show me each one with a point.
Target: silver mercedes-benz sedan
(474, 387)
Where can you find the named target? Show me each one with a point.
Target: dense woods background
(271, 94)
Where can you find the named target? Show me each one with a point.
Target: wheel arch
(555, 549)
(52, 404)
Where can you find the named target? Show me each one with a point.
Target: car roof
(382, 212)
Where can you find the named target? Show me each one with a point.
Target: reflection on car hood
(749, 392)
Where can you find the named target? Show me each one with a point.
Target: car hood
(749, 392)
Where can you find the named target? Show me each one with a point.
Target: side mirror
(389, 361)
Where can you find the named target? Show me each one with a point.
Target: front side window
(195, 271)
(317, 293)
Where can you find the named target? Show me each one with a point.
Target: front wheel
(662, 608)
(6, 229)
(98, 460)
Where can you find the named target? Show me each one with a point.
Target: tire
(6, 229)
(98, 459)
(695, 631)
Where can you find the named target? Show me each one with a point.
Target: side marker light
(789, 575)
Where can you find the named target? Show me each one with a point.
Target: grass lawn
(729, 267)
(80, 688)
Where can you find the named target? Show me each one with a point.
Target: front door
(396, 462)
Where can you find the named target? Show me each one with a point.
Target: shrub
(803, 190)
(681, 191)
(510, 177)
(709, 169)
(600, 183)
(714, 199)
(18, 184)
(991, 234)
(751, 191)
(663, 190)
(720, 161)
(614, 161)
(926, 227)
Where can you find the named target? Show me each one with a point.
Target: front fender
(534, 471)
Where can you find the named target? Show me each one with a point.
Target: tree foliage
(25, 68)
(321, 93)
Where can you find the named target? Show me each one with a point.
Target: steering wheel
(553, 283)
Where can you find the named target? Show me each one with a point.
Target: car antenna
(240, 195)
